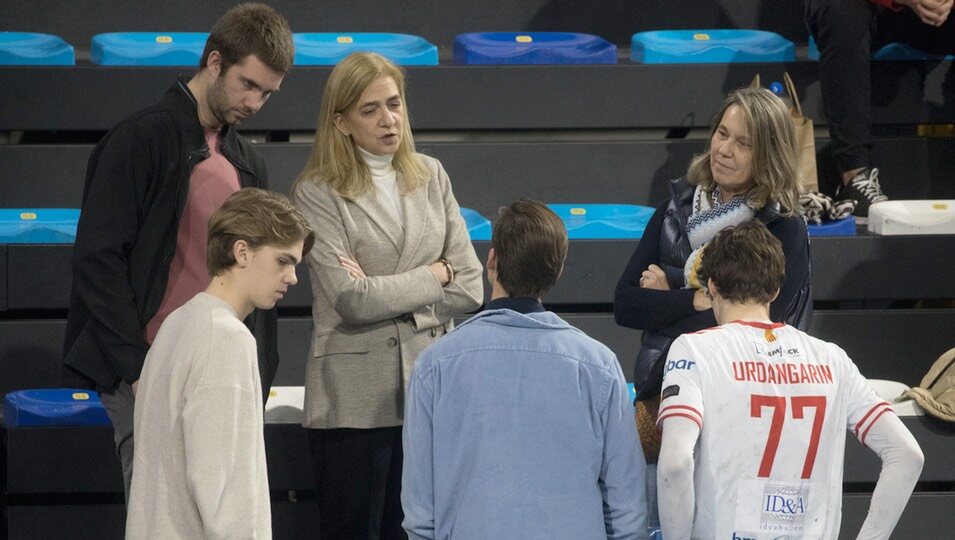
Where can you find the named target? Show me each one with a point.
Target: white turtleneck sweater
(385, 177)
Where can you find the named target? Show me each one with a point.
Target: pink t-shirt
(210, 184)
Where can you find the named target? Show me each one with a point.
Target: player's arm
(877, 427)
(681, 420)
(675, 476)
(106, 233)
(901, 465)
(221, 439)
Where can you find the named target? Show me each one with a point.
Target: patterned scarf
(709, 217)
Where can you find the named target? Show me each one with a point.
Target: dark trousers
(358, 479)
(119, 407)
(846, 32)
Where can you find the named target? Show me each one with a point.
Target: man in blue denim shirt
(518, 425)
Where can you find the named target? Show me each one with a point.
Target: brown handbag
(805, 138)
(650, 436)
(805, 141)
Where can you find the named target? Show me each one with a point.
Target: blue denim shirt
(518, 425)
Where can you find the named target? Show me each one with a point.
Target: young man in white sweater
(199, 462)
(754, 416)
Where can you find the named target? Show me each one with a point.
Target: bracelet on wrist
(448, 268)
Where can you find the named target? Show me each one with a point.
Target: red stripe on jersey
(872, 423)
(705, 330)
(868, 414)
(760, 325)
(680, 410)
(663, 417)
(686, 407)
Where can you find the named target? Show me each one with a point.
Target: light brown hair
(530, 243)
(251, 29)
(261, 218)
(335, 159)
(770, 129)
(746, 263)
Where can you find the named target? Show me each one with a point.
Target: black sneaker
(864, 188)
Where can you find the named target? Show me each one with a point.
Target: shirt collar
(520, 304)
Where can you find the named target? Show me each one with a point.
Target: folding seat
(912, 217)
(32, 49)
(893, 392)
(38, 225)
(479, 228)
(840, 227)
(326, 48)
(533, 48)
(148, 48)
(285, 405)
(901, 51)
(889, 52)
(710, 47)
(54, 407)
(603, 221)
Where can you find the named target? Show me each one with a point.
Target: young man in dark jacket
(151, 185)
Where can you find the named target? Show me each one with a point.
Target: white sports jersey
(773, 405)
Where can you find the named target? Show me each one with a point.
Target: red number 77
(778, 404)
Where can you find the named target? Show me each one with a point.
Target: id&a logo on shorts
(784, 508)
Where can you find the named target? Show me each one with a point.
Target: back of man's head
(746, 263)
(251, 29)
(260, 218)
(530, 243)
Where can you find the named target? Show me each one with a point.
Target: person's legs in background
(358, 482)
(844, 32)
(119, 408)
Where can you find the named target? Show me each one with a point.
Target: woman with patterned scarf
(748, 171)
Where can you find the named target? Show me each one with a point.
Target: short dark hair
(251, 29)
(530, 243)
(259, 217)
(745, 262)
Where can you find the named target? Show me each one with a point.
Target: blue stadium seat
(54, 407)
(533, 48)
(32, 49)
(479, 228)
(843, 227)
(38, 225)
(901, 51)
(603, 221)
(148, 48)
(710, 47)
(890, 52)
(327, 49)
(813, 52)
(631, 391)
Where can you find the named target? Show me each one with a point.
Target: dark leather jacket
(137, 181)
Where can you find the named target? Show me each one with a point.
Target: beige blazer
(368, 332)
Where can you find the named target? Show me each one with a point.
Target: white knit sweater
(199, 466)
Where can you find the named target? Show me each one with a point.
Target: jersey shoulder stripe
(864, 425)
(685, 411)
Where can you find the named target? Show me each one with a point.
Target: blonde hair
(770, 128)
(335, 159)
